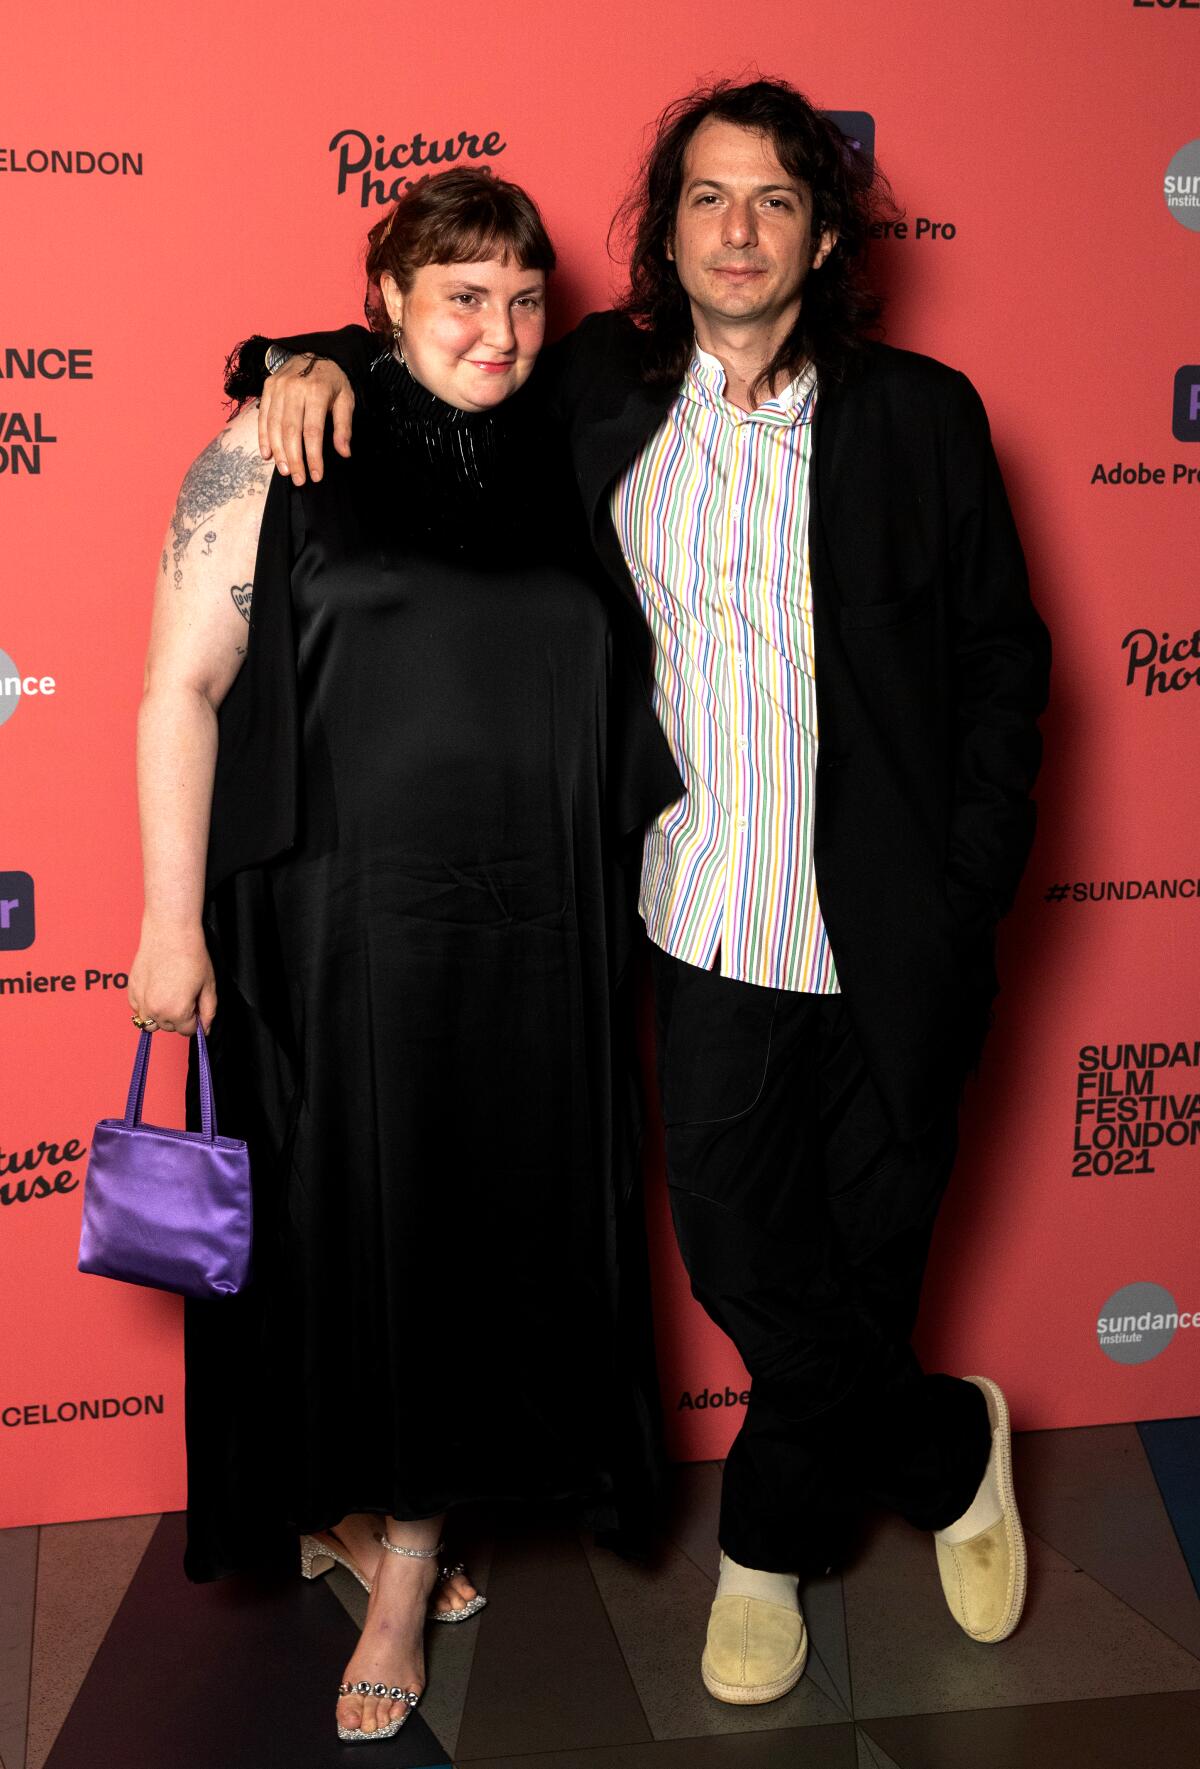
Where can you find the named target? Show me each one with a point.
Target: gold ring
(144, 1025)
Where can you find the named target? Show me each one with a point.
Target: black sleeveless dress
(434, 771)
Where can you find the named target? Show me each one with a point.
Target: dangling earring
(398, 344)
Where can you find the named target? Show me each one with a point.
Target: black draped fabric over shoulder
(433, 773)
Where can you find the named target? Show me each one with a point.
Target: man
(813, 530)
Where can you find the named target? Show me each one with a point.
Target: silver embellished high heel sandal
(320, 1553)
(478, 1602)
(355, 1734)
(382, 1691)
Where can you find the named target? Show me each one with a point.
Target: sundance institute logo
(1181, 187)
(14, 687)
(1139, 1321)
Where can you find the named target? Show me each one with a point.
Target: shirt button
(743, 743)
(741, 823)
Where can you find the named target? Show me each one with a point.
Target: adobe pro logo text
(1185, 412)
(16, 911)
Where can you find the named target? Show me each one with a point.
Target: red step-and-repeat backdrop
(170, 182)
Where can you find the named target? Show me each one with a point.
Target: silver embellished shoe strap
(410, 1553)
(381, 1691)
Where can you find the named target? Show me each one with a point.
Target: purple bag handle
(137, 1086)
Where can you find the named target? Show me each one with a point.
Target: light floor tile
(659, 1613)
(1076, 1641)
(18, 1580)
(1092, 1493)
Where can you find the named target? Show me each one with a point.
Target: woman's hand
(292, 409)
(171, 980)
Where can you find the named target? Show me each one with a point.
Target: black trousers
(805, 1227)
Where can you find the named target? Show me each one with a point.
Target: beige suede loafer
(983, 1572)
(755, 1652)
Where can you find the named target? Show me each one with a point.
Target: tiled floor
(583, 1661)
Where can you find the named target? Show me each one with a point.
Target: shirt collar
(705, 384)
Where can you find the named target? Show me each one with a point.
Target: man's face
(743, 241)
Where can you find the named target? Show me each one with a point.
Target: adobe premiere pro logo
(1185, 415)
(16, 911)
(858, 127)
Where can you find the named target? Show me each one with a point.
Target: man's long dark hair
(839, 311)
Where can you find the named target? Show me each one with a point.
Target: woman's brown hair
(460, 216)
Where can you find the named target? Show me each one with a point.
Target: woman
(431, 766)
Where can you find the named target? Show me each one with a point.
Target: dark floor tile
(1092, 1494)
(233, 1675)
(871, 1754)
(548, 1674)
(1154, 1731)
(1076, 1640)
(659, 1612)
(694, 1512)
(84, 1570)
(825, 1615)
(18, 1581)
(1173, 1446)
(817, 1747)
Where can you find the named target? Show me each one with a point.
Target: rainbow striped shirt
(712, 518)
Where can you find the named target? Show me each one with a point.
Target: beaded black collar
(457, 482)
(454, 446)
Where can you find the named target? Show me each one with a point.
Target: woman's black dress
(434, 769)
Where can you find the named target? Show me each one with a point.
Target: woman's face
(471, 332)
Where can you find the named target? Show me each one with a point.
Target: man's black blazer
(931, 670)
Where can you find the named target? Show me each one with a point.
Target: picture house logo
(1181, 187)
(1185, 407)
(79, 162)
(1131, 1102)
(364, 162)
(14, 687)
(1159, 663)
(16, 911)
(1139, 1321)
(47, 1170)
(72, 1412)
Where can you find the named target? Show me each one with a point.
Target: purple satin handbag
(168, 1208)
